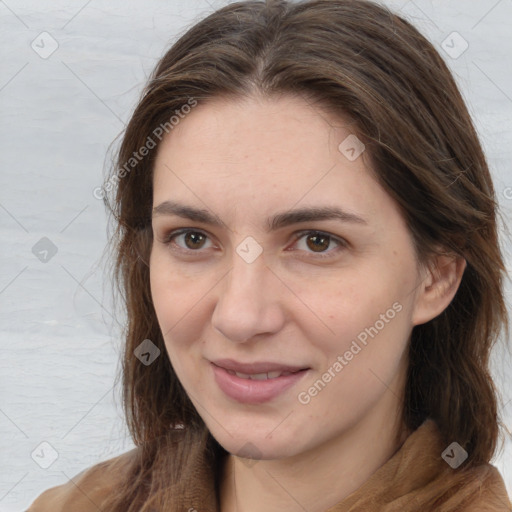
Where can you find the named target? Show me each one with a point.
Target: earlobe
(438, 287)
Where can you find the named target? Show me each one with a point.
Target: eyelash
(342, 244)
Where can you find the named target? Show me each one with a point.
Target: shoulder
(478, 488)
(85, 491)
(489, 491)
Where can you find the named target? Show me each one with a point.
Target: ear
(441, 280)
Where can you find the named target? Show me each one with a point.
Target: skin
(244, 161)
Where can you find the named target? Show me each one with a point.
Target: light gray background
(59, 113)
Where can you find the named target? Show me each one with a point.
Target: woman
(308, 249)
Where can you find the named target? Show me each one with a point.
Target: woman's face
(274, 252)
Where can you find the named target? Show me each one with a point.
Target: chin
(257, 446)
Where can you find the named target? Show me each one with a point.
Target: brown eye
(194, 240)
(187, 240)
(322, 245)
(318, 242)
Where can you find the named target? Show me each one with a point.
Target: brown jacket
(415, 479)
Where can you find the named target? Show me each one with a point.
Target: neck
(318, 479)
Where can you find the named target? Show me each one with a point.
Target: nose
(248, 302)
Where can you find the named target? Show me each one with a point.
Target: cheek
(174, 294)
(356, 305)
(161, 286)
(363, 357)
(178, 301)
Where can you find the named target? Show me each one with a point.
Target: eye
(317, 242)
(186, 239)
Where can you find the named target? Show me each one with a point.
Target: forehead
(256, 130)
(266, 154)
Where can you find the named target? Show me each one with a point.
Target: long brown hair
(359, 60)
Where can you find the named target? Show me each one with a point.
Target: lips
(260, 376)
(256, 367)
(255, 383)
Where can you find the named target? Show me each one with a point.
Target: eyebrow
(279, 220)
